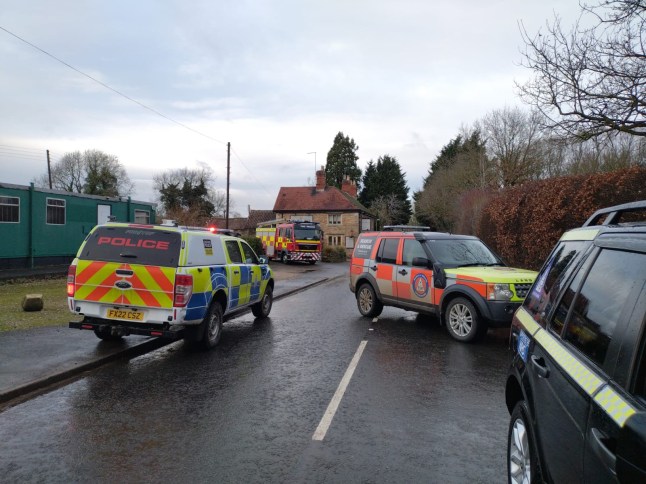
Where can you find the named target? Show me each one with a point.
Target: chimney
(320, 179)
(349, 187)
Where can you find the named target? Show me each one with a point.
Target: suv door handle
(374, 268)
(403, 272)
(601, 449)
(540, 367)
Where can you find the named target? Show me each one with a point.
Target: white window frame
(334, 219)
(55, 206)
(11, 205)
(335, 240)
(142, 212)
(349, 242)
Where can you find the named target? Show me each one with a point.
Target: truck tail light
(71, 278)
(183, 290)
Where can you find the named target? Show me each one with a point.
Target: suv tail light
(183, 290)
(71, 278)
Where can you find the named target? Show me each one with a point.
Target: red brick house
(341, 216)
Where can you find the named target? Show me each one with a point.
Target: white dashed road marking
(326, 421)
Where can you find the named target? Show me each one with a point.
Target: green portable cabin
(40, 227)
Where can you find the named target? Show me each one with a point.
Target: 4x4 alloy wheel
(212, 326)
(367, 301)
(522, 464)
(463, 321)
(262, 309)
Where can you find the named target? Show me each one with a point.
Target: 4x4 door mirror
(263, 259)
(420, 262)
(439, 276)
(631, 449)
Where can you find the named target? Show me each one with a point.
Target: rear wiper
(128, 255)
(495, 264)
(472, 264)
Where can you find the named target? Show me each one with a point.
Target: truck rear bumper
(118, 328)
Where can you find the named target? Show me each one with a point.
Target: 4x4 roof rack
(613, 214)
(405, 228)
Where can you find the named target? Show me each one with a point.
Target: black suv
(576, 389)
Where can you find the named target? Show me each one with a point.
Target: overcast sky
(278, 79)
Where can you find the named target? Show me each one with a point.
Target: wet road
(418, 408)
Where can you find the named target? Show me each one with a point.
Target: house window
(334, 219)
(142, 217)
(55, 211)
(9, 209)
(349, 242)
(305, 218)
(334, 239)
(365, 224)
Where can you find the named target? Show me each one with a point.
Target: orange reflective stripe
(84, 274)
(161, 279)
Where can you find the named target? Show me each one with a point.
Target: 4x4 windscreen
(462, 252)
(133, 245)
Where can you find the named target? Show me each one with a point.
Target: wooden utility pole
(49, 171)
(228, 182)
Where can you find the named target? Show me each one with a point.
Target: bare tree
(189, 195)
(590, 80)
(92, 172)
(512, 139)
(387, 208)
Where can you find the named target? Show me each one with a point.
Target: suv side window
(388, 251)
(554, 274)
(412, 248)
(233, 248)
(249, 254)
(610, 287)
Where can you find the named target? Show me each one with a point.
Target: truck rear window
(133, 245)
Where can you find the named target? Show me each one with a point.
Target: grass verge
(54, 313)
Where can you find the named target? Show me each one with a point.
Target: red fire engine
(293, 240)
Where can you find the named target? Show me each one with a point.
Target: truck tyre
(212, 326)
(367, 302)
(106, 335)
(283, 258)
(263, 308)
(463, 321)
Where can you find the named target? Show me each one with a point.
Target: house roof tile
(309, 199)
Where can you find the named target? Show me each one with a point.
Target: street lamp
(313, 153)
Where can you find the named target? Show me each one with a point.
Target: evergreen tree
(342, 161)
(385, 180)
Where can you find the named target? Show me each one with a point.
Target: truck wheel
(106, 335)
(212, 326)
(463, 321)
(367, 301)
(283, 258)
(263, 308)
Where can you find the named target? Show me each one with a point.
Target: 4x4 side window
(554, 274)
(388, 251)
(611, 287)
(249, 254)
(412, 248)
(233, 248)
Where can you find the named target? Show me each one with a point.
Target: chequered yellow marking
(527, 321)
(614, 405)
(580, 234)
(244, 294)
(578, 371)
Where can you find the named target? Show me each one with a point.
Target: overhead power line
(152, 110)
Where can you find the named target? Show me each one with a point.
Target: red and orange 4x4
(456, 277)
